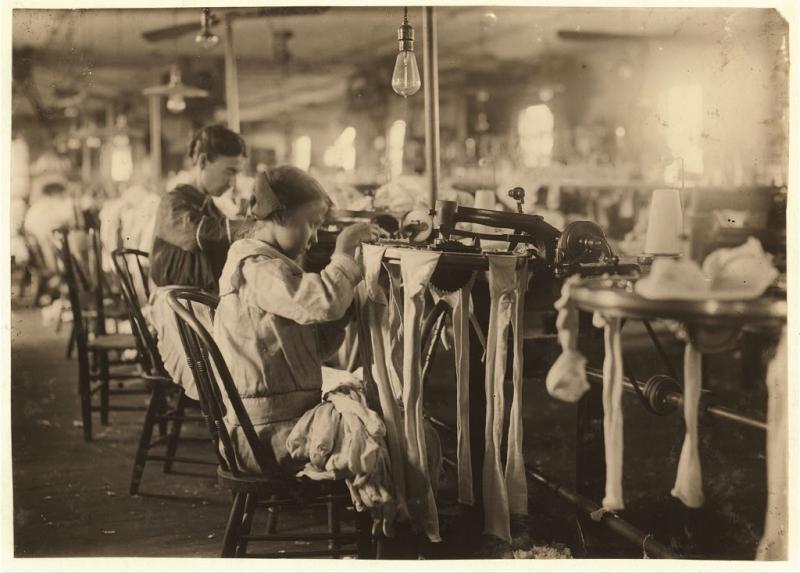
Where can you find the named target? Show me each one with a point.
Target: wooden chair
(94, 367)
(271, 488)
(94, 287)
(36, 275)
(168, 402)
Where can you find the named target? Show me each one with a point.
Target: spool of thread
(665, 223)
(484, 199)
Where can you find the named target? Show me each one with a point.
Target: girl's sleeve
(305, 298)
(331, 335)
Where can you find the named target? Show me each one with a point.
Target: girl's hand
(354, 235)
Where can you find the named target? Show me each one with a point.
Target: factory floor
(71, 497)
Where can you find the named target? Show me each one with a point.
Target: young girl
(275, 323)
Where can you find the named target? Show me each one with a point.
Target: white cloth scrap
(566, 379)
(343, 439)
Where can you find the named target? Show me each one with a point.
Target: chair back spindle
(130, 266)
(215, 383)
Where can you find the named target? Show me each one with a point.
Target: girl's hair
(283, 189)
(214, 140)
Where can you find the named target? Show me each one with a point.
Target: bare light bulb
(207, 39)
(405, 78)
(176, 103)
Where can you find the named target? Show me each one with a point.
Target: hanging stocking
(612, 410)
(417, 268)
(689, 480)
(506, 289)
(774, 544)
(460, 303)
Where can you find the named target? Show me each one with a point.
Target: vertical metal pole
(231, 78)
(86, 160)
(155, 140)
(431, 86)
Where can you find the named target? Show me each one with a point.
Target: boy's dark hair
(54, 188)
(214, 140)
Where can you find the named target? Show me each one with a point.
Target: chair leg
(364, 546)
(155, 405)
(85, 394)
(247, 523)
(175, 435)
(231, 538)
(334, 525)
(272, 517)
(102, 358)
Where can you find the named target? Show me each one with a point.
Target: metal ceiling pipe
(155, 141)
(430, 84)
(231, 78)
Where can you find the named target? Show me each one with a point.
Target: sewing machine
(553, 255)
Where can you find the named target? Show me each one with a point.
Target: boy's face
(219, 175)
(298, 233)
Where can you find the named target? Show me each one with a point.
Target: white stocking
(459, 301)
(373, 332)
(689, 480)
(774, 544)
(506, 289)
(612, 411)
(417, 268)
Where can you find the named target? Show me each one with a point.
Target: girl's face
(298, 233)
(219, 175)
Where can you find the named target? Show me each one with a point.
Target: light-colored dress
(274, 325)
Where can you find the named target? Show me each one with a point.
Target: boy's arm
(181, 221)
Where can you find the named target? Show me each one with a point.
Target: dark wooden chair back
(131, 268)
(77, 286)
(36, 258)
(215, 384)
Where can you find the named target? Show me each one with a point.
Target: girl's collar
(259, 245)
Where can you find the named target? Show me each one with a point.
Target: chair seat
(297, 488)
(120, 341)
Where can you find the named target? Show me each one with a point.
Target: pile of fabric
(342, 438)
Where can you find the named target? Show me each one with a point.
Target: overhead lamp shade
(665, 223)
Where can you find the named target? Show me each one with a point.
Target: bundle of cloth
(342, 438)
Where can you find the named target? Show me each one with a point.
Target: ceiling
(103, 53)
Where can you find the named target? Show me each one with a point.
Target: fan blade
(594, 36)
(171, 32)
(279, 11)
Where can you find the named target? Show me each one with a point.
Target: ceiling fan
(208, 20)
